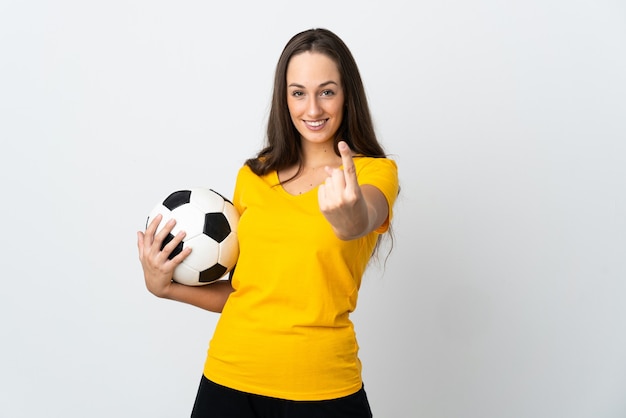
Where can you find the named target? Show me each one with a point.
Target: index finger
(153, 225)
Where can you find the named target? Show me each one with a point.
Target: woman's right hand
(158, 269)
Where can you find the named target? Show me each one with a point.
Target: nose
(313, 108)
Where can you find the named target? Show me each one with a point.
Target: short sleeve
(381, 173)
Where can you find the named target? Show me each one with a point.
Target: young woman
(314, 203)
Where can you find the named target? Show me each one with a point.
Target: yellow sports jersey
(285, 331)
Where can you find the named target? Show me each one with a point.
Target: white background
(504, 294)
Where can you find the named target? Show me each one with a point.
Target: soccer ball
(210, 222)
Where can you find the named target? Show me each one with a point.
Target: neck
(316, 156)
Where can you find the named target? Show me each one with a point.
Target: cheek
(339, 106)
(294, 108)
(339, 112)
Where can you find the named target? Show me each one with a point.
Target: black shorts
(216, 401)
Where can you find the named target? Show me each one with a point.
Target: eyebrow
(300, 86)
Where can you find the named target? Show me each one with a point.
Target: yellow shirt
(285, 331)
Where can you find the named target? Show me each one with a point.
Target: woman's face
(314, 96)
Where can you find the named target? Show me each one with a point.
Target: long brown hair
(283, 147)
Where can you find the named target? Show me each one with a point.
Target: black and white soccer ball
(210, 222)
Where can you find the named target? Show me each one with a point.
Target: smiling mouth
(315, 123)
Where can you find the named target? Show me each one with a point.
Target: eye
(297, 93)
(327, 93)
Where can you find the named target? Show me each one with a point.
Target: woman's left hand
(341, 200)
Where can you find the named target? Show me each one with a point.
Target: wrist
(162, 291)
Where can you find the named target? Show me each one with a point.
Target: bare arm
(352, 210)
(211, 297)
(158, 270)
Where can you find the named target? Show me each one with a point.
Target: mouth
(315, 124)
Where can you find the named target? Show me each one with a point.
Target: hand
(157, 268)
(340, 198)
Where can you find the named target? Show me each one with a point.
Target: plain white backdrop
(504, 294)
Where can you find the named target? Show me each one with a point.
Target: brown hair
(283, 147)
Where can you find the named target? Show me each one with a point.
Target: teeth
(316, 123)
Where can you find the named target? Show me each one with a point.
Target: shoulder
(245, 172)
(244, 169)
(379, 167)
(247, 176)
(379, 172)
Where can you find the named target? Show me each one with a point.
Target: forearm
(354, 226)
(211, 297)
(367, 215)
